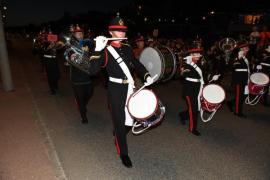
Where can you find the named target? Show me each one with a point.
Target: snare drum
(146, 109)
(159, 60)
(212, 97)
(257, 83)
(142, 105)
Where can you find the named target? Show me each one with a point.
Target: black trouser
(265, 95)
(117, 94)
(192, 112)
(239, 98)
(53, 73)
(83, 93)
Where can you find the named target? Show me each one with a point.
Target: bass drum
(159, 61)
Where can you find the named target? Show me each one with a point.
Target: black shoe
(182, 120)
(196, 132)
(84, 120)
(229, 104)
(241, 115)
(126, 161)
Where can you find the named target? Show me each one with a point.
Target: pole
(4, 62)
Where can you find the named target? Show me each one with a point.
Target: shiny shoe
(84, 120)
(196, 132)
(126, 161)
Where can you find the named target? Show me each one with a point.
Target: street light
(5, 8)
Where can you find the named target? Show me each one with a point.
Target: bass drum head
(142, 105)
(152, 61)
(213, 93)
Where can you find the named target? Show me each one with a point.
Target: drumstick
(112, 39)
(143, 86)
(213, 79)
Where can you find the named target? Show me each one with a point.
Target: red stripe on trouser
(237, 98)
(190, 113)
(117, 146)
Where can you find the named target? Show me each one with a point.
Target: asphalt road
(229, 148)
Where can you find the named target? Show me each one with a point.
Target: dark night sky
(22, 12)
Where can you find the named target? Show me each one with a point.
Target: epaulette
(94, 57)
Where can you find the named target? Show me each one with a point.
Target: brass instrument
(227, 45)
(80, 58)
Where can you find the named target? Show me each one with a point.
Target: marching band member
(117, 59)
(240, 78)
(139, 47)
(81, 81)
(51, 64)
(194, 80)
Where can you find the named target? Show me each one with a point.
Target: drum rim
(260, 73)
(156, 48)
(163, 64)
(174, 63)
(141, 119)
(220, 87)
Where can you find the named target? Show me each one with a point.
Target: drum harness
(129, 121)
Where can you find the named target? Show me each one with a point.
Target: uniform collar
(117, 45)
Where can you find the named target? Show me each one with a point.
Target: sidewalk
(23, 154)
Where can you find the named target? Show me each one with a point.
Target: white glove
(240, 54)
(101, 42)
(259, 67)
(149, 81)
(215, 77)
(188, 59)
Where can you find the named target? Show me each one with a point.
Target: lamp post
(4, 62)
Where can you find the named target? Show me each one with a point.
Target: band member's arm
(185, 71)
(96, 61)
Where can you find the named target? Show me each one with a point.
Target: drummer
(192, 72)
(240, 78)
(117, 59)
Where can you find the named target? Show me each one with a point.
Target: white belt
(49, 56)
(118, 80)
(193, 79)
(241, 70)
(265, 64)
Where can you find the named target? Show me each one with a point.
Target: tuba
(227, 45)
(80, 57)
